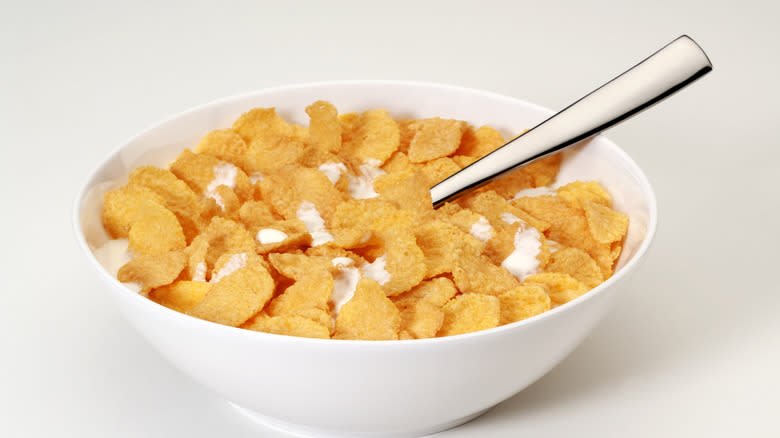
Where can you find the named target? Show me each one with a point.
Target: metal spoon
(660, 75)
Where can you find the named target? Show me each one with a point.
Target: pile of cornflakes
(329, 231)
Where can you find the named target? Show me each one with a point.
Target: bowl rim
(88, 184)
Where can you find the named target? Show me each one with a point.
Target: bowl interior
(596, 159)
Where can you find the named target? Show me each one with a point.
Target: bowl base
(299, 430)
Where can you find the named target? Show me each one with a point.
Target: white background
(693, 348)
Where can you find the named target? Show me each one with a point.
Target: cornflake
(328, 231)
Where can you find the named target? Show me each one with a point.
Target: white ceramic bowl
(377, 388)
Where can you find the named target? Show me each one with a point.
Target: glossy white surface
(400, 388)
(690, 350)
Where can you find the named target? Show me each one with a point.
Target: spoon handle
(660, 75)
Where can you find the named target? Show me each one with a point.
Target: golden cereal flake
(369, 315)
(405, 261)
(398, 162)
(545, 251)
(438, 241)
(180, 296)
(408, 190)
(357, 220)
(439, 169)
(288, 187)
(224, 144)
(435, 138)
(229, 203)
(197, 268)
(502, 244)
(523, 302)
(282, 236)
(576, 191)
(271, 141)
(568, 226)
(605, 225)
(436, 291)
(407, 129)
(545, 170)
(463, 160)
(476, 273)
(490, 205)
(324, 126)
(469, 313)
(480, 142)
(464, 219)
(264, 157)
(422, 320)
(524, 216)
(290, 325)
(486, 203)
(307, 297)
(333, 252)
(349, 123)
(615, 250)
(157, 231)
(298, 266)
(209, 209)
(231, 262)
(204, 173)
(176, 194)
(226, 237)
(264, 125)
(314, 158)
(153, 270)
(376, 138)
(372, 252)
(256, 214)
(578, 264)
(126, 205)
(508, 185)
(236, 297)
(561, 288)
(404, 335)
